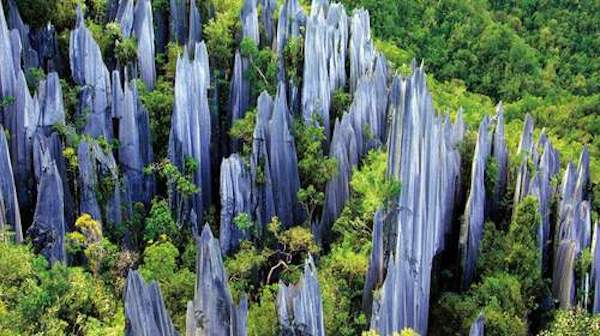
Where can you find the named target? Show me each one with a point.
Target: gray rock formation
(283, 163)
(249, 19)
(239, 92)
(145, 312)
(325, 46)
(50, 97)
(299, 307)
(143, 27)
(9, 210)
(472, 226)
(260, 168)
(478, 326)
(524, 154)
(48, 227)
(195, 23)
(423, 155)
(361, 49)
(191, 129)
(135, 150)
(235, 200)
(89, 71)
(213, 311)
(125, 17)
(500, 155)
(595, 274)
(29, 55)
(268, 22)
(563, 278)
(178, 21)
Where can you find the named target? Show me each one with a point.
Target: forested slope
(267, 167)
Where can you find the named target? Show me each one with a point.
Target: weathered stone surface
(48, 227)
(195, 23)
(88, 70)
(595, 274)
(239, 92)
(376, 271)
(268, 22)
(524, 152)
(213, 311)
(29, 55)
(135, 150)
(283, 163)
(471, 231)
(98, 172)
(8, 194)
(50, 97)
(563, 278)
(235, 200)
(361, 49)
(143, 27)
(145, 312)
(299, 307)
(325, 48)
(260, 166)
(478, 326)
(423, 155)
(125, 17)
(500, 155)
(191, 129)
(178, 23)
(249, 19)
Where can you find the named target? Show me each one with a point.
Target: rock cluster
(423, 154)
(191, 131)
(145, 312)
(213, 311)
(299, 306)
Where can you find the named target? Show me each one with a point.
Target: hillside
(290, 167)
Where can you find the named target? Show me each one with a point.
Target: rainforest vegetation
(539, 59)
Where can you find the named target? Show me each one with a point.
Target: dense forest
(296, 167)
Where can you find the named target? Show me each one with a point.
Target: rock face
(525, 151)
(500, 155)
(178, 21)
(472, 226)
(260, 167)
(239, 92)
(573, 232)
(478, 326)
(283, 163)
(125, 17)
(191, 130)
(143, 27)
(89, 71)
(267, 21)
(195, 29)
(235, 200)
(595, 276)
(324, 60)
(563, 279)
(9, 205)
(50, 97)
(249, 19)
(299, 306)
(213, 312)
(135, 150)
(361, 49)
(423, 154)
(145, 311)
(48, 227)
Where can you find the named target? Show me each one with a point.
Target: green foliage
(6, 101)
(491, 175)
(262, 314)
(182, 181)
(176, 283)
(36, 12)
(243, 268)
(243, 221)
(243, 130)
(159, 103)
(52, 301)
(219, 32)
(160, 222)
(126, 50)
(573, 323)
(293, 54)
(340, 101)
(314, 166)
(34, 76)
(262, 73)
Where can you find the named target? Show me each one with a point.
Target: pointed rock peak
(207, 234)
(478, 326)
(80, 18)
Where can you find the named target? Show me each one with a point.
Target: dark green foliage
(160, 222)
(243, 130)
(294, 59)
(573, 323)
(340, 101)
(491, 175)
(36, 12)
(262, 72)
(126, 50)
(33, 77)
(159, 103)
